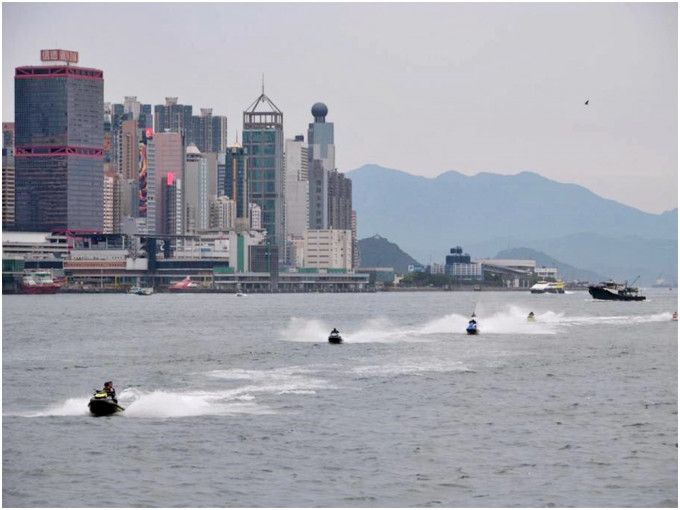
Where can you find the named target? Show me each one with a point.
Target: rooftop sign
(59, 55)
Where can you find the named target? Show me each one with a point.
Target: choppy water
(241, 402)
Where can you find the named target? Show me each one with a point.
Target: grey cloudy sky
(423, 88)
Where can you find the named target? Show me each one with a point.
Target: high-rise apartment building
(209, 132)
(172, 204)
(196, 190)
(165, 154)
(59, 145)
(8, 176)
(297, 188)
(339, 201)
(173, 117)
(263, 140)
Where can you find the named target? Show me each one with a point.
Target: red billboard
(59, 55)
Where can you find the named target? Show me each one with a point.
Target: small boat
(472, 328)
(240, 294)
(141, 291)
(38, 282)
(102, 405)
(185, 284)
(612, 291)
(334, 337)
(531, 317)
(547, 288)
(675, 316)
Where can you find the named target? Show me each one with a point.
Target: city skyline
(426, 89)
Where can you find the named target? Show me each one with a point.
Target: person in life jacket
(110, 390)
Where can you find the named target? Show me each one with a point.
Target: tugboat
(612, 291)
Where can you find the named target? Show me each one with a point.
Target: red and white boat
(39, 282)
(187, 283)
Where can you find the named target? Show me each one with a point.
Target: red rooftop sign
(59, 55)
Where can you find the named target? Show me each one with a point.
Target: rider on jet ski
(110, 390)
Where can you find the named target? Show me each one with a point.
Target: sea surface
(241, 401)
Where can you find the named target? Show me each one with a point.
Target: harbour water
(241, 402)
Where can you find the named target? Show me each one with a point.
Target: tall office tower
(209, 132)
(196, 190)
(172, 205)
(165, 155)
(263, 140)
(320, 137)
(297, 188)
(8, 175)
(173, 117)
(59, 145)
(236, 184)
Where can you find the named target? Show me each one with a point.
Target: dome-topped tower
(319, 111)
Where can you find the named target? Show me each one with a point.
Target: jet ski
(472, 327)
(101, 404)
(335, 337)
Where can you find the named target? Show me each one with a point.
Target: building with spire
(263, 143)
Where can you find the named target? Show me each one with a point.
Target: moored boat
(141, 291)
(612, 291)
(39, 282)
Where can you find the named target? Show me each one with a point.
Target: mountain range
(488, 213)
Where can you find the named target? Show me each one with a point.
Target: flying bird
(587, 101)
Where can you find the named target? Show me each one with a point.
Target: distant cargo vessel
(547, 288)
(39, 282)
(612, 291)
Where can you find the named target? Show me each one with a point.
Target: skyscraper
(263, 141)
(173, 117)
(209, 132)
(320, 137)
(236, 184)
(8, 175)
(59, 145)
(165, 154)
(297, 188)
(196, 190)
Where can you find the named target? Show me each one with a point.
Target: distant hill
(377, 251)
(487, 213)
(566, 272)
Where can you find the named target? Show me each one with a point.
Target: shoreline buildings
(165, 187)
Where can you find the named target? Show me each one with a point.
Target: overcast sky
(423, 88)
